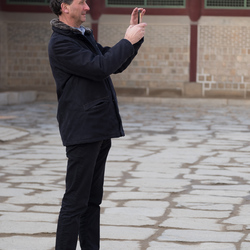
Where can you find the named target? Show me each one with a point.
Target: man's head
(71, 12)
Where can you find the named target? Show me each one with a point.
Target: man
(88, 114)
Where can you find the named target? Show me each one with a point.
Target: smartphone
(139, 16)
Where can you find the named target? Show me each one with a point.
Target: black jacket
(87, 104)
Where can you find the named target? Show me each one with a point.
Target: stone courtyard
(178, 180)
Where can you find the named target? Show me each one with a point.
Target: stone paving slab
(178, 180)
(9, 133)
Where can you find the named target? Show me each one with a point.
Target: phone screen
(139, 16)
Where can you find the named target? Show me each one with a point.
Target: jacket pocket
(97, 104)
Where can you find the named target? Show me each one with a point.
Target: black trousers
(80, 210)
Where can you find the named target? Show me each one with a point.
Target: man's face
(77, 12)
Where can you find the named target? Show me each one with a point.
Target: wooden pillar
(194, 11)
(96, 9)
(193, 52)
(94, 27)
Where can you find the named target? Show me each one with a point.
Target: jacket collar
(64, 27)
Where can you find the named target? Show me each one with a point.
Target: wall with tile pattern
(224, 56)
(162, 64)
(160, 69)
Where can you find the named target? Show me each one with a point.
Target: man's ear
(64, 8)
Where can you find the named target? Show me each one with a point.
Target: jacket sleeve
(75, 59)
(129, 60)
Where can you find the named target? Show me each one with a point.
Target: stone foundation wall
(160, 69)
(25, 41)
(24, 45)
(28, 64)
(224, 56)
(162, 64)
(3, 57)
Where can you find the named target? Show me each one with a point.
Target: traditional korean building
(192, 48)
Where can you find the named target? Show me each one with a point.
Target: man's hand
(134, 15)
(135, 33)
